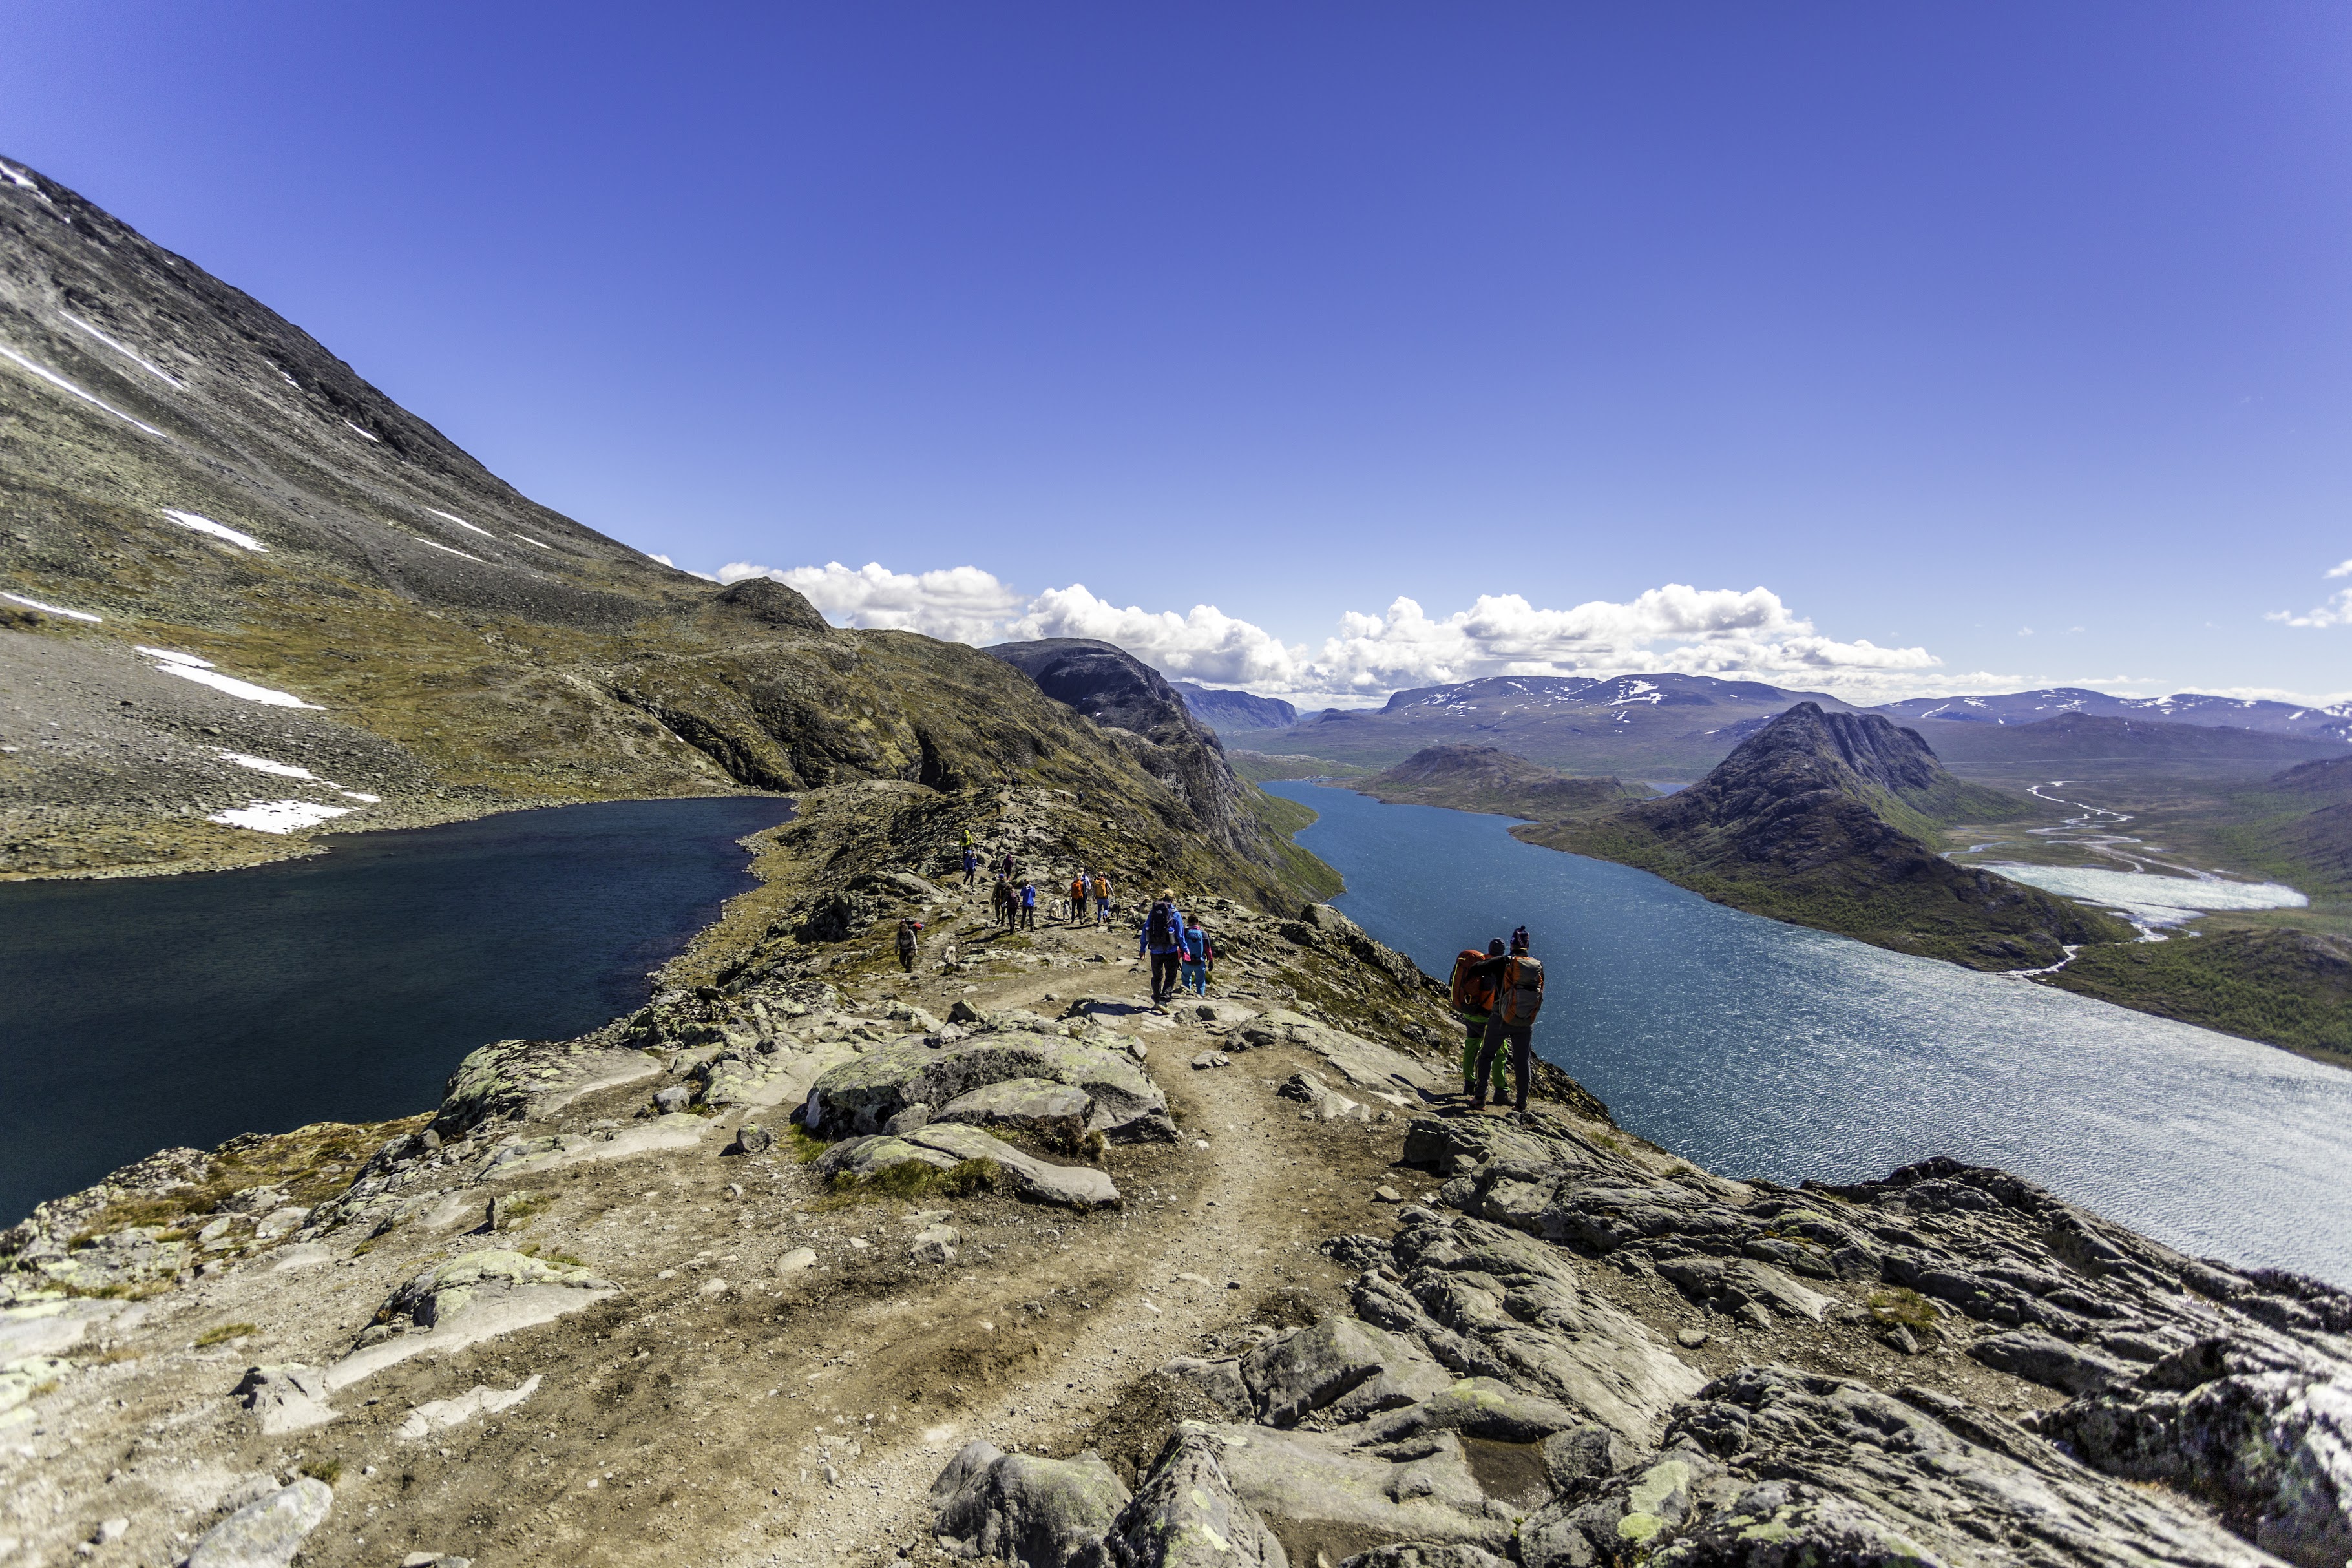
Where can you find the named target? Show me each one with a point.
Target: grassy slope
(1283, 819)
(2281, 987)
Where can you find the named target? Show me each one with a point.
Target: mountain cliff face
(1488, 779)
(1136, 704)
(243, 587)
(1816, 820)
(1226, 711)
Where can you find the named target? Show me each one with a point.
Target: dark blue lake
(1756, 1048)
(153, 1011)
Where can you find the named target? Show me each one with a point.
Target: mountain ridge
(247, 587)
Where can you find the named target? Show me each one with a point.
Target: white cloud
(1679, 628)
(960, 604)
(2336, 612)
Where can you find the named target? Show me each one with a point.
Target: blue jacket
(1143, 939)
(1196, 944)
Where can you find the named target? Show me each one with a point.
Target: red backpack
(1472, 995)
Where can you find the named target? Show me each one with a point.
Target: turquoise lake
(1760, 1049)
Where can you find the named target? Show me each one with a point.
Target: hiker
(970, 863)
(1001, 903)
(910, 932)
(1102, 899)
(1075, 909)
(1518, 996)
(1012, 867)
(1028, 907)
(1473, 1002)
(1199, 953)
(1163, 939)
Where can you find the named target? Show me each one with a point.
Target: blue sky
(2008, 337)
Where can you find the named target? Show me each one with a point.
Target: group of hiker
(1497, 993)
(1013, 899)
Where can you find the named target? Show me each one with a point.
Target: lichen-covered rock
(862, 1157)
(1019, 1508)
(267, 1533)
(1187, 1514)
(1054, 1111)
(448, 1289)
(2262, 1431)
(1072, 1186)
(861, 1094)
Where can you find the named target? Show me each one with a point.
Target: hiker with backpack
(1474, 1003)
(1199, 954)
(1518, 996)
(1028, 907)
(910, 932)
(970, 863)
(1074, 909)
(1001, 903)
(1102, 899)
(1163, 940)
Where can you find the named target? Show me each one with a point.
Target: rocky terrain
(245, 598)
(1488, 779)
(1819, 817)
(817, 1259)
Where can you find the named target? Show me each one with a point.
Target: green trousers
(1470, 1057)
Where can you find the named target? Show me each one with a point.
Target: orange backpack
(1522, 994)
(1472, 995)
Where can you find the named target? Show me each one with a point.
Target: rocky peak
(1860, 745)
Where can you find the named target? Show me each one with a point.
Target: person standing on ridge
(1473, 1002)
(1199, 953)
(1518, 996)
(1162, 938)
(910, 932)
(1028, 907)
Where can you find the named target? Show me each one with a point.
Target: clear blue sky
(1939, 321)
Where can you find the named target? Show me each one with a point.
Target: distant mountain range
(1677, 726)
(2183, 708)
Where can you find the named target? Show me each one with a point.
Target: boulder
(1731, 1284)
(448, 1289)
(1072, 1186)
(1188, 1515)
(1054, 1111)
(862, 1157)
(861, 1094)
(286, 1398)
(267, 1533)
(934, 1244)
(1020, 1508)
(1420, 1490)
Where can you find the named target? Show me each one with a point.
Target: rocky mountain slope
(1488, 779)
(1650, 726)
(244, 598)
(1035, 1272)
(1227, 712)
(2331, 724)
(1820, 818)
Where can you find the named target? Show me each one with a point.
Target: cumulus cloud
(1678, 628)
(2336, 612)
